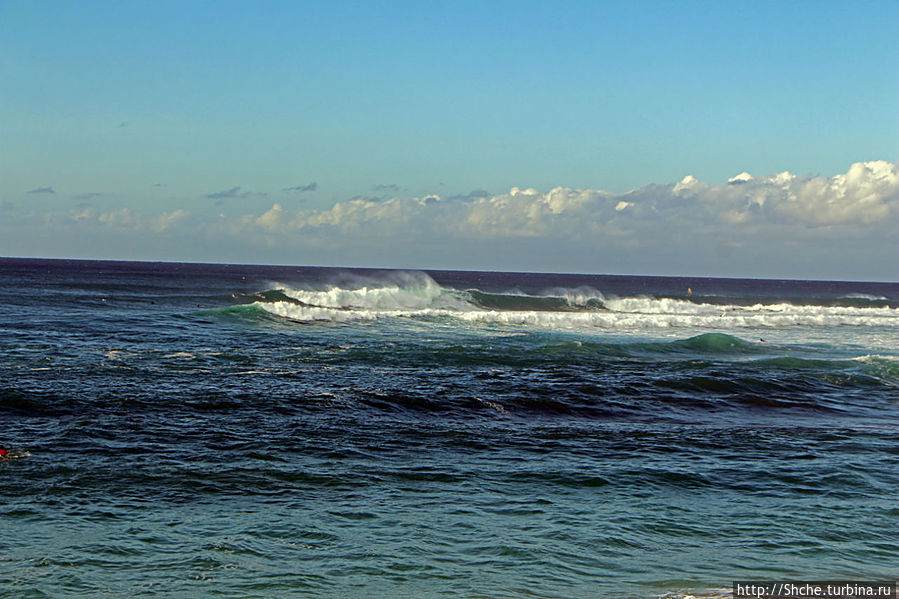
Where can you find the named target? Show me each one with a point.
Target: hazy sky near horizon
(478, 135)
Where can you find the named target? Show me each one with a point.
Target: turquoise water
(173, 433)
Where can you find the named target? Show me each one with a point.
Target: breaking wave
(417, 296)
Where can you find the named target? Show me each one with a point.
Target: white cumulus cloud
(689, 227)
(868, 194)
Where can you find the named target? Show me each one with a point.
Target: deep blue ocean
(187, 430)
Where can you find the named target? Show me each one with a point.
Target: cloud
(740, 179)
(90, 195)
(123, 218)
(388, 187)
(168, 219)
(271, 219)
(688, 226)
(234, 192)
(113, 220)
(472, 195)
(867, 195)
(780, 224)
(302, 188)
(42, 190)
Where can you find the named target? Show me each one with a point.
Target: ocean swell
(417, 296)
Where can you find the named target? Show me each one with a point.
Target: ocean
(198, 430)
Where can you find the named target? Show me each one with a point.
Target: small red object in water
(3, 453)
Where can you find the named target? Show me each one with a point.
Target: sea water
(183, 430)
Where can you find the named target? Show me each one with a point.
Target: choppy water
(242, 431)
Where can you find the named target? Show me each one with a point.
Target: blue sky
(216, 112)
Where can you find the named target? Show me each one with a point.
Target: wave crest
(397, 291)
(417, 296)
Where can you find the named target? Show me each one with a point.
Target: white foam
(401, 291)
(865, 296)
(633, 313)
(116, 355)
(311, 314)
(417, 296)
(874, 358)
(579, 296)
(648, 305)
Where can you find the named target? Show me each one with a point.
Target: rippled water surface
(241, 431)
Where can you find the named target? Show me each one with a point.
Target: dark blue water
(243, 431)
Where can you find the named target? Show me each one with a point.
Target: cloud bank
(868, 194)
(843, 226)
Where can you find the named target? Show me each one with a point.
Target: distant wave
(417, 296)
(866, 297)
(560, 300)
